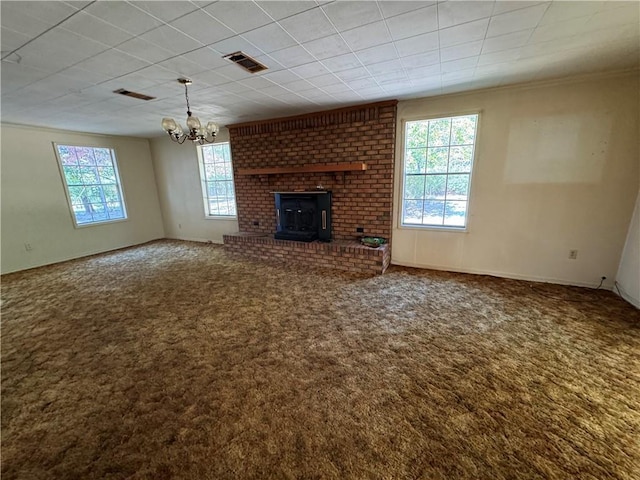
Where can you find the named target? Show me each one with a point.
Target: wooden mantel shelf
(336, 167)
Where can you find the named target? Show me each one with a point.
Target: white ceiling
(61, 61)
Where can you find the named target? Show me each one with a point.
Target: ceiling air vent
(246, 62)
(127, 93)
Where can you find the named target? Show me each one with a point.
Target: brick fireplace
(349, 152)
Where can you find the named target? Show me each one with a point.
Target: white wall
(556, 169)
(628, 277)
(180, 191)
(35, 208)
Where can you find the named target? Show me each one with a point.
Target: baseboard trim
(493, 273)
(196, 239)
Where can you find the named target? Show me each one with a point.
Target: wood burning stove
(303, 216)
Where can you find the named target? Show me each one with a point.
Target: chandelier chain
(186, 96)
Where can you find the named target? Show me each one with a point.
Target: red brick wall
(365, 133)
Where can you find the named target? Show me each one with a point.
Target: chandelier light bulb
(169, 124)
(193, 123)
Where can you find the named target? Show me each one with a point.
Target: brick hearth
(344, 255)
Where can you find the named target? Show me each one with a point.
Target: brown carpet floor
(176, 360)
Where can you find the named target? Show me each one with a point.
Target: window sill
(95, 224)
(434, 228)
(221, 217)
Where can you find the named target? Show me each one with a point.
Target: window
(216, 174)
(438, 157)
(90, 175)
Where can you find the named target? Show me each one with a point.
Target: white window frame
(114, 163)
(474, 158)
(204, 181)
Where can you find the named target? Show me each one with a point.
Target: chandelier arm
(182, 139)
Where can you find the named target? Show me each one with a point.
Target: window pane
(103, 157)
(416, 134)
(455, 213)
(437, 160)
(433, 212)
(436, 187)
(416, 160)
(107, 175)
(439, 131)
(412, 212)
(414, 186)
(115, 210)
(72, 175)
(85, 156)
(111, 193)
(463, 130)
(89, 175)
(76, 194)
(67, 155)
(460, 159)
(457, 187)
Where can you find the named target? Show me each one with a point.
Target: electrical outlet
(179, 226)
(28, 247)
(256, 223)
(573, 254)
(360, 229)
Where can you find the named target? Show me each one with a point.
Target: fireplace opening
(303, 216)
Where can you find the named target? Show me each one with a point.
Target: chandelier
(196, 132)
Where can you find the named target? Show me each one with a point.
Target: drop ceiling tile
(455, 65)
(342, 62)
(327, 47)
(51, 13)
(11, 40)
(271, 63)
(385, 67)
(283, 9)
(627, 13)
(367, 36)
(15, 16)
(452, 13)
(235, 44)
(273, 90)
(463, 50)
(554, 31)
(96, 29)
(516, 20)
(467, 32)
(234, 72)
(562, 11)
(239, 16)
(361, 83)
(211, 78)
(310, 70)
(16, 76)
(165, 11)
(113, 63)
(505, 42)
(281, 78)
(292, 56)
(207, 58)
(423, 72)
(413, 23)
(397, 7)
(202, 27)
(379, 53)
(336, 88)
(350, 14)
(157, 74)
(171, 39)
(140, 48)
(418, 44)
(389, 78)
(309, 25)
(421, 59)
(88, 76)
(499, 57)
(125, 16)
(324, 80)
(503, 6)
(353, 74)
(270, 38)
(182, 67)
(300, 85)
